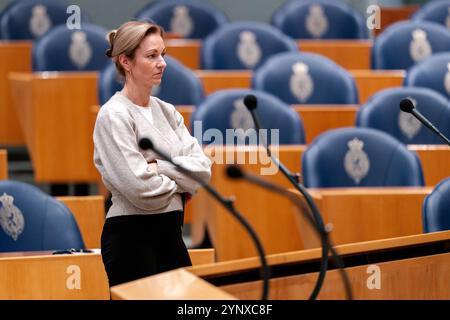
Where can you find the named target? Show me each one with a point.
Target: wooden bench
(3, 165)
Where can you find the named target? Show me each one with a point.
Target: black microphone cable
(235, 172)
(250, 102)
(146, 144)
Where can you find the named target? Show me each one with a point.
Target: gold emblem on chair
(248, 50)
(356, 161)
(11, 218)
(316, 21)
(181, 22)
(40, 22)
(420, 47)
(80, 51)
(301, 83)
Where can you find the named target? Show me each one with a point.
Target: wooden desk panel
(58, 123)
(350, 54)
(41, 275)
(435, 161)
(368, 82)
(89, 212)
(423, 275)
(14, 57)
(390, 15)
(3, 165)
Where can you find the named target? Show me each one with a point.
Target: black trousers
(138, 246)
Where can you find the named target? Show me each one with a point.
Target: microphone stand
(250, 102)
(235, 172)
(146, 144)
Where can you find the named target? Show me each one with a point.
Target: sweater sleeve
(119, 161)
(190, 157)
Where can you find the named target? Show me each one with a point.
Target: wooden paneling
(350, 54)
(14, 57)
(58, 123)
(435, 161)
(368, 82)
(3, 165)
(419, 274)
(89, 212)
(390, 15)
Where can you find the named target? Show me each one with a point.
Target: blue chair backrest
(243, 45)
(224, 110)
(405, 43)
(179, 86)
(320, 19)
(31, 19)
(305, 78)
(433, 73)
(382, 112)
(31, 220)
(436, 208)
(188, 18)
(359, 157)
(436, 11)
(62, 49)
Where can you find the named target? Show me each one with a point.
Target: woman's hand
(153, 166)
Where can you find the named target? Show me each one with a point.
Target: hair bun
(112, 36)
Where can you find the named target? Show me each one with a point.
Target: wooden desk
(58, 123)
(89, 212)
(350, 54)
(435, 161)
(15, 56)
(368, 82)
(390, 15)
(3, 165)
(41, 275)
(388, 212)
(411, 267)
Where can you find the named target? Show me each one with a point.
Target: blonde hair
(127, 39)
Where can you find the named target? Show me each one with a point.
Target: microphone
(146, 144)
(235, 172)
(250, 102)
(407, 105)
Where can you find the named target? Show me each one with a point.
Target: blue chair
(62, 49)
(188, 18)
(436, 208)
(31, 19)
(432, 73)
(243, 45)
(31, 220)
(435, 11)
(214, 120)
(405, 43)
(305, 78)
(382, 112)
(179, 86)
(359, 157)
(319, 19)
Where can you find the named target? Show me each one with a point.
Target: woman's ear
(124, 62)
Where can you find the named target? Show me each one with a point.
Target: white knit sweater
(124, 166)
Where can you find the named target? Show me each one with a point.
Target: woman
(142, 234)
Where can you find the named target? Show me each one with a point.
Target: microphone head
(407, 105)
(250, 101)
(234, 172)
(145, 144)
